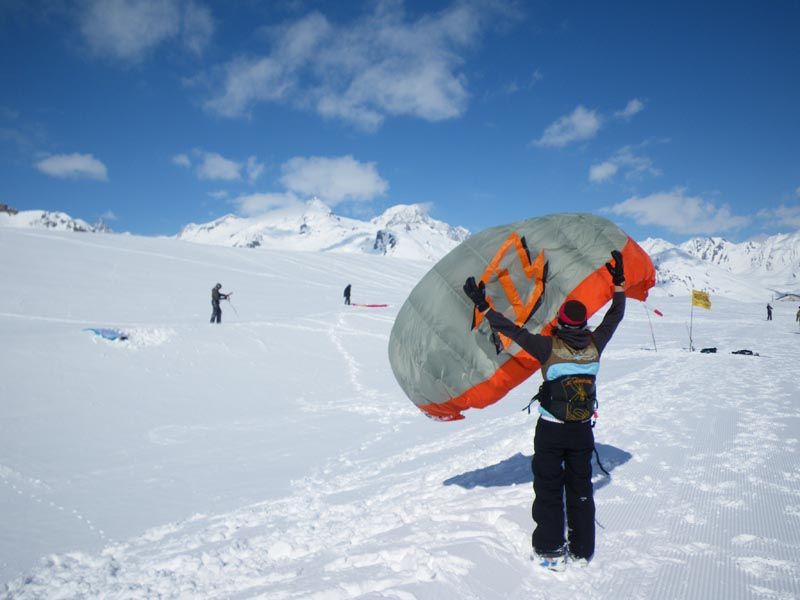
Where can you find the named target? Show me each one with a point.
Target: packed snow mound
(42, 219)
(403, 231)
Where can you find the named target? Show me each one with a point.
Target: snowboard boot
(554, 561)
(579, 561)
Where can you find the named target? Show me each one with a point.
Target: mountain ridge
(43, 219)
(751, 270)
(719, 266)
(403, 230)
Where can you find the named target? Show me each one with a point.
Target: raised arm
(536, 345)
(616, 311)
(602, 335)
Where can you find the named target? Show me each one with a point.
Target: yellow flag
(701, 299)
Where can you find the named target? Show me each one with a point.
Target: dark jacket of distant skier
(216, 296)
(563, 442)
(769, 312)
(347, 294)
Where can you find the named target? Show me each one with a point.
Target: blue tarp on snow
(108, 334)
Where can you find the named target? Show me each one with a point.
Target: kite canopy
(444, 354)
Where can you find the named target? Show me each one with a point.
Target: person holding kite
(564, 441)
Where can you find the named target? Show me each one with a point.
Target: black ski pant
(562, 472)
(216, 313)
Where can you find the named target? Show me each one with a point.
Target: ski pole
(236, 312)
(652, 334)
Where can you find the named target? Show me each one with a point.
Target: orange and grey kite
(445, 356)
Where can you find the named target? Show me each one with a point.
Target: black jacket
(216, 296)
(539, 346)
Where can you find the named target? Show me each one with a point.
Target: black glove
(617, 270)
(476, 293)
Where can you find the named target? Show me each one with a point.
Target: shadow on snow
(517, 469)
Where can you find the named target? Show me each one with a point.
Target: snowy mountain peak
(223, 221)
(404, 231)
(315, 205)
(777, 254)
(746, 270)
(403, 214)
(42, 219)
(656, 245)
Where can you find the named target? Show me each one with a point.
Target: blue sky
(672, 119)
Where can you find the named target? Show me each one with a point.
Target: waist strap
(571, 398)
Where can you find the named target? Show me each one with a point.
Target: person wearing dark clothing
(769, 312)
(347, 294)
(563, 442)
(216, 296)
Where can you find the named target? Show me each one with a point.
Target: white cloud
(198, 27)
(182, 160)
(254, 169)
(216, 166)
(73, 166)
(333, 180)
(380, 65)
(219, 194)
(582, 124)
(785, 216)
(603, 171)
(633, 107)
(679, 213)
(624, 159)
(789, 216)
(128, 29)
(108, 216)
(248, 81)
(255, 204)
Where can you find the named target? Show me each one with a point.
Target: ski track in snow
(37, 491)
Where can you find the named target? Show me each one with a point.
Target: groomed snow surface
(274, 456)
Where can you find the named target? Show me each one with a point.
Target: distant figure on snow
(347, 294)
(798, 315)
(216, 296)
(769, 312)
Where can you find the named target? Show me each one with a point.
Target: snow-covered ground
(274, 456)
